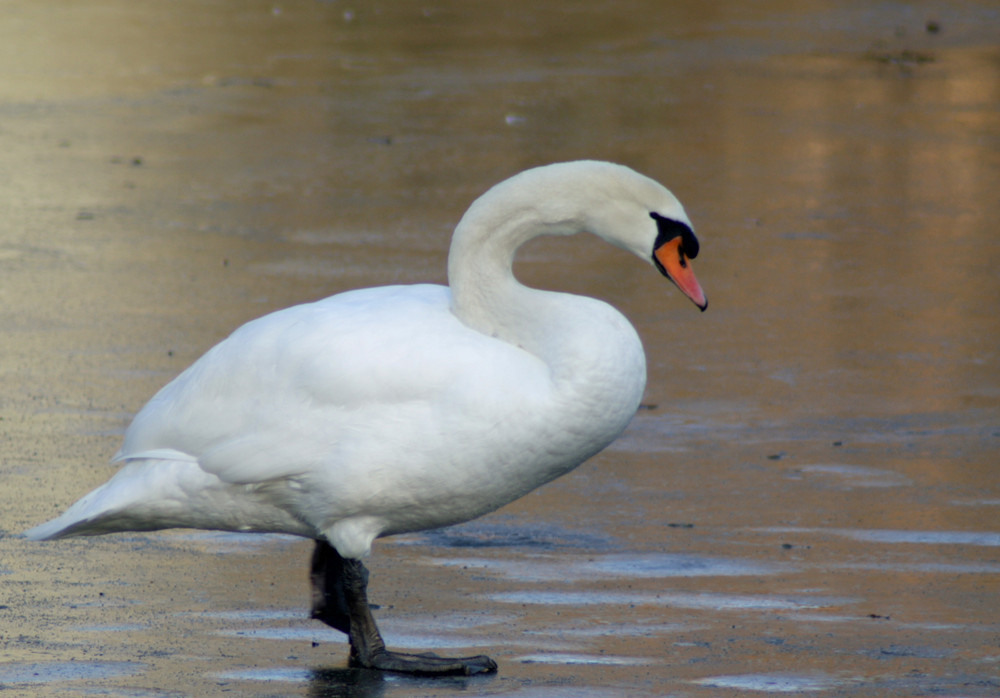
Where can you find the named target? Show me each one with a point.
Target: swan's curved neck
(574, 335)
(608, 200)
(545, 201)
(485, 294)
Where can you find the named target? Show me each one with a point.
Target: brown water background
(808, 502)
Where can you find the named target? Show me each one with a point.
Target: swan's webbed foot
(340, 599)
(426, 664)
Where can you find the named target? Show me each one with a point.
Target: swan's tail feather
(142, 496)
(61, 527)
(56, 528)
(86, 517)
(153, 492)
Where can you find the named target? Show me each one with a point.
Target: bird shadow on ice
(499, 534)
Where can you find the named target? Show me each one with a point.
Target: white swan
(403, 408)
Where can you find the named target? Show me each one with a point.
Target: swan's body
(403, 408)
(267, 433)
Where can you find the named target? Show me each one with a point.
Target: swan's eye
(668, 229)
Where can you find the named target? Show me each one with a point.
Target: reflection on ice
(284, 674)
(425, 642)
(43, 672)
(984, 538)
(411, 632)
(670, 565)
(304, 634)
(858, 476)
(651, 565)
(123, 628)
(565, 658)
(444, 622)
(772, 683)
(678, 600)
(252, 614)
(927, 567)
(928, 537)
(616, 630)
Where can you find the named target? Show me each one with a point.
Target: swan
(402, 408)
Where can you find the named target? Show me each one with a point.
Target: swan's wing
(329, 384)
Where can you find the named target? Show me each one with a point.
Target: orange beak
(675, 265)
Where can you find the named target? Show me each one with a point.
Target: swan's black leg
(340, 599)
(329, 598)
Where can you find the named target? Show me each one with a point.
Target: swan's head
(611, 201)
(675, 246)
(641, 215)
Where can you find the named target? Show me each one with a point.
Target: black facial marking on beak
(668, 229)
